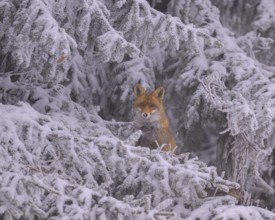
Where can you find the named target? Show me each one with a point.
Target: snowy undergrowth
(233, 90)
(70, 166)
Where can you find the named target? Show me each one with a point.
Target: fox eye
(152, 106)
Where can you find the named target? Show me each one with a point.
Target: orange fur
(152, 120)
(61, 59)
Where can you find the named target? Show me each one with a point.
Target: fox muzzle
(146, 115)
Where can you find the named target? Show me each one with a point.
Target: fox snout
(146, 115)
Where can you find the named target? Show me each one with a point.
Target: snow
(67, 139)
(58, 164)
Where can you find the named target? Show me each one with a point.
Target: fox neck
(163, 121)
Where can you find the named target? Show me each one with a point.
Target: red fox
(151, 118)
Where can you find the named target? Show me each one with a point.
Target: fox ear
(159, 93)
(139, 90)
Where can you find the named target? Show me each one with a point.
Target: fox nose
(145, 115)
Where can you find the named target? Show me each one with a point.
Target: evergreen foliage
(67, 70)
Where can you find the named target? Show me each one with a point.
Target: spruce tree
(67, 72)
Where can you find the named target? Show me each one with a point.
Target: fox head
(148, 105)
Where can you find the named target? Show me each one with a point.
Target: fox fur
(152, 120)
